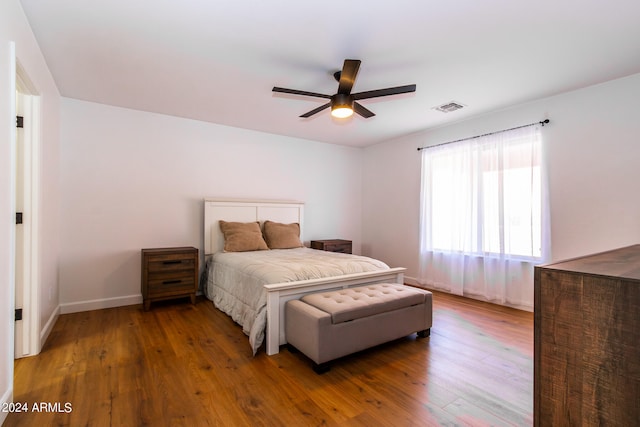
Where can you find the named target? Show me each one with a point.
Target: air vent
(449, 107)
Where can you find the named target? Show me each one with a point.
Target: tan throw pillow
(242, 236)
(282, 236)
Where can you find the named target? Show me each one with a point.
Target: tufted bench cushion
(353, 303)
(329, 325)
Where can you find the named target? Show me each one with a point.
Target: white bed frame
(285, 211)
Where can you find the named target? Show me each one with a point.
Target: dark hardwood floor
(180, 364)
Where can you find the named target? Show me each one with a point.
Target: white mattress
(236, 280)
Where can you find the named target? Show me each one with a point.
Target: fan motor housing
(341, 100)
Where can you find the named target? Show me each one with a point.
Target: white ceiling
(217, 61)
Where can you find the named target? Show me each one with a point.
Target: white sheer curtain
(484, 221)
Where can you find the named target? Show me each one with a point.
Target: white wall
(132, 180)
(592, 147)
(18, 42)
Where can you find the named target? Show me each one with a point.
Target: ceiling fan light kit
(343, 104)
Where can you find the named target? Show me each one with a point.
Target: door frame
(28, 343)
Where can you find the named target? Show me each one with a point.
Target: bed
(253, 286)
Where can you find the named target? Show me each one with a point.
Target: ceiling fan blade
(316, 110)
(384, 92)
(300, 92)
(358, 108)
(348, 75)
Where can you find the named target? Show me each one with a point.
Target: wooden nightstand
(169, 273)
(332, 245)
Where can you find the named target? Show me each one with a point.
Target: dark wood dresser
(169, 273)
(332, 245)
(587, 340)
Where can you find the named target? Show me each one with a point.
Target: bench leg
(424, 333)
(318, 368)
(321, 368)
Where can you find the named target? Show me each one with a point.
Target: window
(482, 196)
(484, 222)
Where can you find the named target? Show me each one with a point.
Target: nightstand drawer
(170, 281)
(166, 264)
(339, 247)
(332, 245)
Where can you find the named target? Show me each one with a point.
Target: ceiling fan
(344, 103)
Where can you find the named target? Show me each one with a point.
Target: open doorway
(27, 326)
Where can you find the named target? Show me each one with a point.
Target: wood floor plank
(182, 364)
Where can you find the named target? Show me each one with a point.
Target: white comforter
(236, 280)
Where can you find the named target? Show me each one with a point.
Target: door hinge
(18, 314)
(18, 217)
(19, 121)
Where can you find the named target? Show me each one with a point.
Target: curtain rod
(543, 122)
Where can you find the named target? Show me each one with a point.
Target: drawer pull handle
(171, 282)
(172, 262)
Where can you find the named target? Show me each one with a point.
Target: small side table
(332, 245)
(169, 273)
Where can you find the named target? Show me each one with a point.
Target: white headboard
(242, 210)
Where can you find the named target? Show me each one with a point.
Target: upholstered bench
(328, 325)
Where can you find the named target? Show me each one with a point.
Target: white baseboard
(97, 304)
(411, 281)
(7, 397)
(44, 333)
